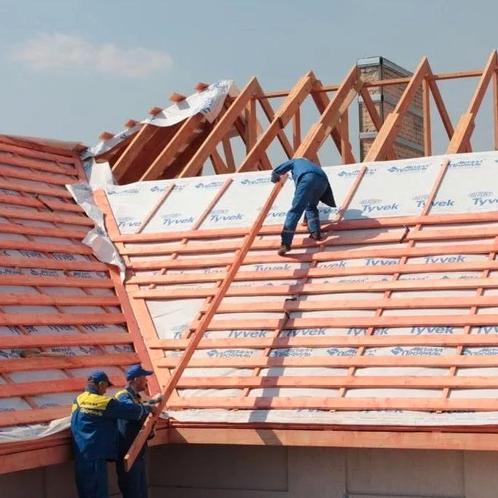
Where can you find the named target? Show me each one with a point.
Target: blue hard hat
(137, 371)
(99, 376)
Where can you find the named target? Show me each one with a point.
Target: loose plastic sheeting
(208, 102)
(387, 189)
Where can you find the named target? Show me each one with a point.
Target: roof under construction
(383, 334)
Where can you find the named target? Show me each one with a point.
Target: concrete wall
(204, 471)
(199, 471)
(56, 481)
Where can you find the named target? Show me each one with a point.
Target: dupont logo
(417, 351)
(492, 351)
(127, 191)
(466, 164)
(483, 199)
(178, 187)
(230, 353)
(341, 351)
(353, 173)
(208, 185)
(256, 181)
(410, 168)
(481, 194)
(286, 352)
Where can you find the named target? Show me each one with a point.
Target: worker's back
(302, 166)
(95, 435)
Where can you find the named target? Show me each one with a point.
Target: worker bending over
(95, 433)
(133, 484)
(312, 186)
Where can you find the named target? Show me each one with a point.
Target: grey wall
(205, 471)
(56, 481)
(278, 472)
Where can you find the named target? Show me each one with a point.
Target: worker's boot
(316, 235)
(284, 249)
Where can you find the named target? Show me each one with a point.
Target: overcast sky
(73, 68)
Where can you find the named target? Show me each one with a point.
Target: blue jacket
(128, 429)
(94, 427)
(301, 166)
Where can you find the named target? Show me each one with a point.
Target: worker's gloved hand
(274, 177)
(157, 398)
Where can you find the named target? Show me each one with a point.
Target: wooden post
(427, 118)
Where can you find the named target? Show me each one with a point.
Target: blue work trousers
(133, 484)
(309, 189)
(91, 478)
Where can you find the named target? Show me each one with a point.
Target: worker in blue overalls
(312, 186)
(133, 484)
(95, 433)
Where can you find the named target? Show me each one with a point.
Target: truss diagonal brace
(331, 115)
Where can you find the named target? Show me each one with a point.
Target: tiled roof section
(59, 313)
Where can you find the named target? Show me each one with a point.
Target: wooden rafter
(466, 124)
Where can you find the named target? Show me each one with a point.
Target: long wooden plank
(359, 224)
(297, 289)
(339, 437)
(386, 381)
(359, 321)
(42, 231)
(44, 178)
(24, 162)
(28, 214)
(25, 148)
(393, 236)
(51, 386)
(441, 361)
(27, 245)
(42, 281)
(82, 361)
(213, 247)
(330, 403)
(43, 340)
(33, 416)
(371, 269)
(53, 264)
(39, 319)
(40, 189)
(56, 300)
(409, 252)
(320, 341)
